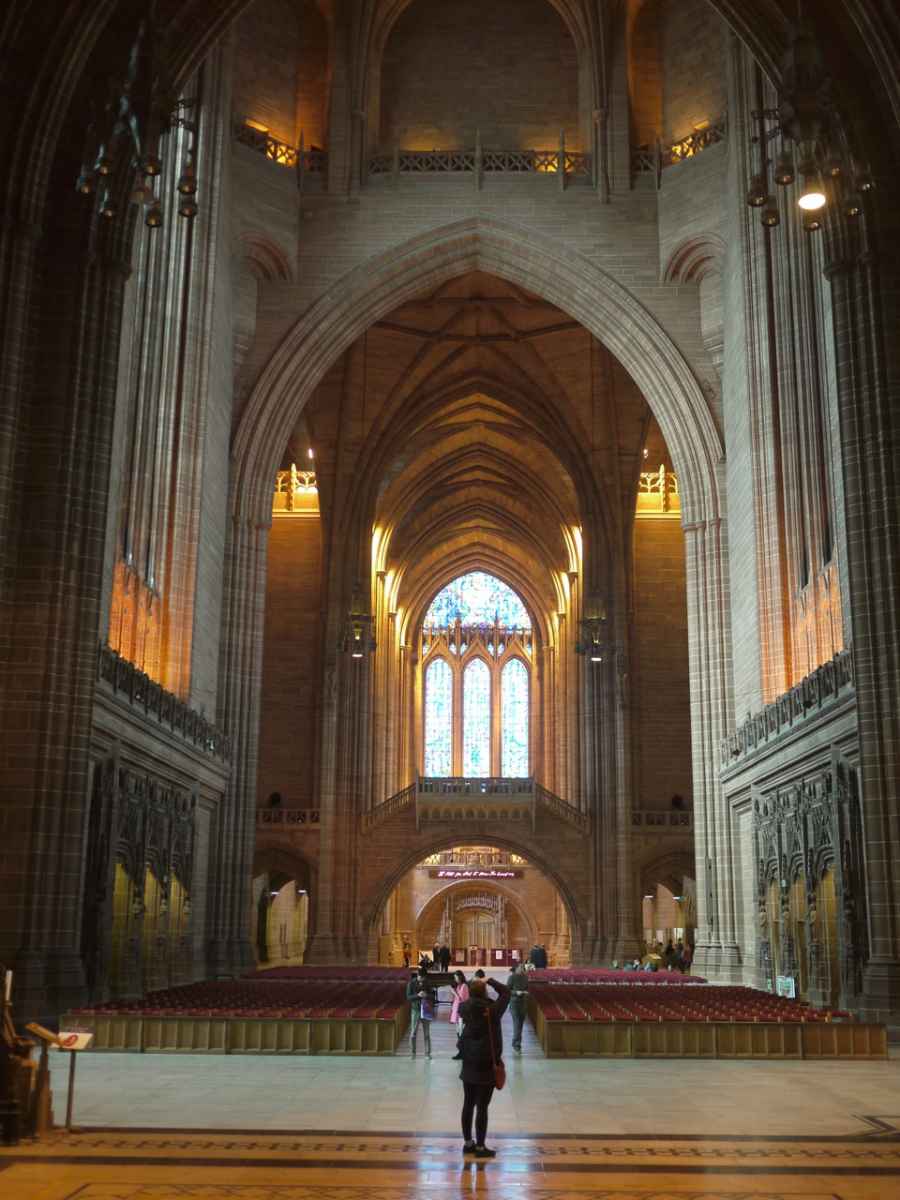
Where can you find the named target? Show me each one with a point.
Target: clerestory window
(476, 672)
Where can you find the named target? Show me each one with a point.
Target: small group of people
(672, 957)
(479, 1044)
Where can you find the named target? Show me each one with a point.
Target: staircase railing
(561, 808)
(394, 804)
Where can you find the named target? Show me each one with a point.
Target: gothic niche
(808, 842)
(136, 933)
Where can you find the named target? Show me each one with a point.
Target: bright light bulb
(812, 200)
(812, 195)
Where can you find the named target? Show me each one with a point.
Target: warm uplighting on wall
(258, 125)
(135, 621)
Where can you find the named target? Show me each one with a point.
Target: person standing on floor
(460, 994)
(407, 953)
(518, 1002)
(445, 957)
(481, 1046)
(421, 1010)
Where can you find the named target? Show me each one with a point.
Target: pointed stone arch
(575, 285)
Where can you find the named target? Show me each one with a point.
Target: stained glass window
(439, 719)
(514, 719)
(477, 719)
(478, 599)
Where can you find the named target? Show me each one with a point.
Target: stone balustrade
(655, 821)
(475, 160)
(488, 798)
(654, 159)
(287, 818)
(820, 690)
(312, 162)
(144, 695)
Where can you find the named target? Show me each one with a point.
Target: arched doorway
(281, 916)
(488, 904)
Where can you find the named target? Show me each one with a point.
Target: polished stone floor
(267, 1128)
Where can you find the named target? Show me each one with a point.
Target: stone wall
(509, 69)
(291, 681)
(660, 691)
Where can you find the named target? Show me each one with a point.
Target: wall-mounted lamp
(357, 640)
(594, 641)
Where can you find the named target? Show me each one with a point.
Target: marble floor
(267, 1128)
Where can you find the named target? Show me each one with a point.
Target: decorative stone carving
(797, 829)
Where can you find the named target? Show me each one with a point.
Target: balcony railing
(481, 161)
(146, 696)
(662, 822)
(816, 693)
(287, 818)
(305, 162)
(654, 159)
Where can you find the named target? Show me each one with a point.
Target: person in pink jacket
(460, 993)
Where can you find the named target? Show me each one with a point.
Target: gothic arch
(694, 258)
(267, 260)
(667, 869)
(514, 900)
(373, 905)
(602, 305)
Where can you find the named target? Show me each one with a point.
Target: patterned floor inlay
(143, 1165)
(301, 1192)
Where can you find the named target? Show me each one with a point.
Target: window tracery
(476, 649)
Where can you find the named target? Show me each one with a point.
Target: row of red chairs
(606, 975)
(302, 998)
(389, 974)
(610, 1002)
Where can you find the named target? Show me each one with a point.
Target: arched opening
(489, 905)
(281, 908)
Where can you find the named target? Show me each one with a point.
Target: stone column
(717, 952)
(52, 607)
(864, 294)
(231, 949)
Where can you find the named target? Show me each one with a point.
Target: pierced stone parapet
(818, 691)
(654, 159)
(662, 822)
(140, 692)
(305, 162)
(288, 818)
(577, 166)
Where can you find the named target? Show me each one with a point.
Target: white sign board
(785, 986)
(74, 1041)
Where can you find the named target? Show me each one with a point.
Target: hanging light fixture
(812, 193)
(757, 193)
(806, 119)
(784, 168)
(127, 127)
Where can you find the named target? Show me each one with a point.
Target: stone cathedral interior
(449, 498)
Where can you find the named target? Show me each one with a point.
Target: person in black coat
(482, 1019)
